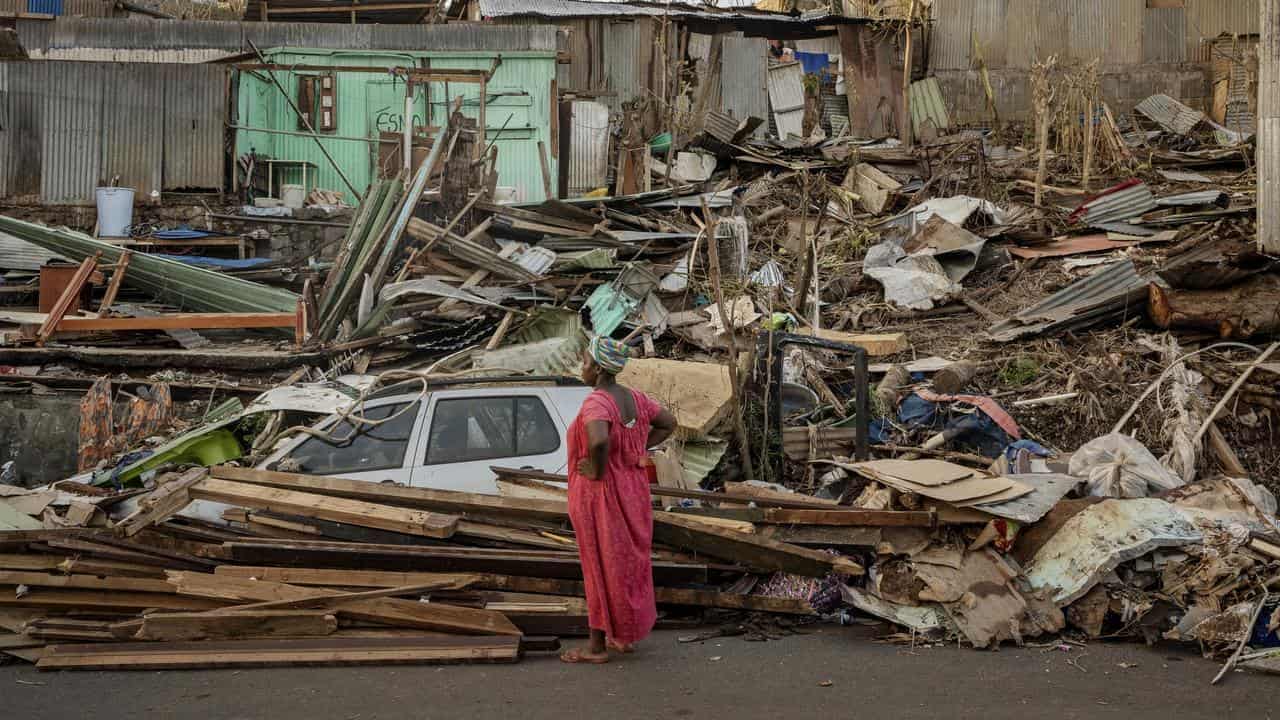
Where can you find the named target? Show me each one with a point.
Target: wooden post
(907, 131)
(713, 263)
(1269, 128)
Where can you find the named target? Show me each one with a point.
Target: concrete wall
(41, 434)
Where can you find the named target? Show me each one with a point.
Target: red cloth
(613, 520)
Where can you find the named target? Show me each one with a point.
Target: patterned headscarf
(609, 354)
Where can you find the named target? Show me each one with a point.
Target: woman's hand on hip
(587, 469)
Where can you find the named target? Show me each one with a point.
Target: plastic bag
(1118, 466)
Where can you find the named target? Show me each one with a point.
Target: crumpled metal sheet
(1111, 292)
(1095, 541)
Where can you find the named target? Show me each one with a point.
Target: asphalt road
(833, 673)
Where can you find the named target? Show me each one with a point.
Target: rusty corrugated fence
(67, 127)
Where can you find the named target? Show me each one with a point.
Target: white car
(447, 438)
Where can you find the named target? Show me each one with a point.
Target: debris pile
(981, 388)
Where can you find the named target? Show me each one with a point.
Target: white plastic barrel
(115, 211)
(293, 196)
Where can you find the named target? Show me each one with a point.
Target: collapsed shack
(1001, 384)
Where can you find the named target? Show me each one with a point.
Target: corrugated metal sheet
(1170, 114)
(1115, 290)
(71, 126)
(1207, 19)
(588, 147)
(146, 40)
(928, 108)
(1164, 35)
(742, 78)
(195, 108)
(1014, 33)
(70, 130)
(1122, 203)
(952, 47)
(136, 122)
(786, 98)
(185, 286)
(18, 254)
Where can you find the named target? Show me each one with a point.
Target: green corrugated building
(520, 111)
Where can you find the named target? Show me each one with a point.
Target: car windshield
(358, 446)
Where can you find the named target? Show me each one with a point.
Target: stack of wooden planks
(308, 570)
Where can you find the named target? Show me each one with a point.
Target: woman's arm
(660, 428)
(597, 450)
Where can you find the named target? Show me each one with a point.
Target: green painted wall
(519, 112)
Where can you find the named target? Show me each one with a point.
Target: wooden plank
(179, 321)
(354, 512)
(106, 601)
(162, 503)
(344, 598)
(11, 561)
(752, 551)
(74, 286)
(109, 568)
(876, 345)
(19, 641)
(386, 611)
(433, 559)
(439, 500)
(117, 277)
(168, 627)
(279, 653)
(84, 582)
(825, 536)
(866, 518)
(108, 552)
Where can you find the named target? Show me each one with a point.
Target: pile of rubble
(923, 383)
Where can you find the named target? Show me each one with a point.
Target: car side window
(487, 428)
(358, 446)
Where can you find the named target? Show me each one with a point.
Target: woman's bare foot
(624, 648)
(584, 655)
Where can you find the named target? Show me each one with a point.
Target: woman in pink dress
(609, 503)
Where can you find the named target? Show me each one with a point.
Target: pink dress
(613, 520)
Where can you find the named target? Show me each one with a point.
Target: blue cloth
(224, 263)
(181, 233)
(813, 63)
(1030, 446)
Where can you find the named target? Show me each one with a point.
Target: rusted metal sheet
(588, 147)
(70, 127)
(195, 109)
(742, 78)
(1114, 291)
(1164, 35)
(1207, 19)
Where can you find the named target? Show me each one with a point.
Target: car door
(381, 450)
(470, 431)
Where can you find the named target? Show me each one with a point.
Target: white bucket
(293, 196)
(115, 211)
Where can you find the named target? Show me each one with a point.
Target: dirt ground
(834, 672)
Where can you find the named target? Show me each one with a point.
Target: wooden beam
(512, 583)
(64, 301)
(167, 627)
(440, 500)
(458, 583)
(105, 601)
(354, 512)
(385, 611)
(179, 321)
(753, 551)
(279, 653)
(108, 568)
(117, 277)
(84, 582)
(23, 561)
(864, 518)
(162, 503)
